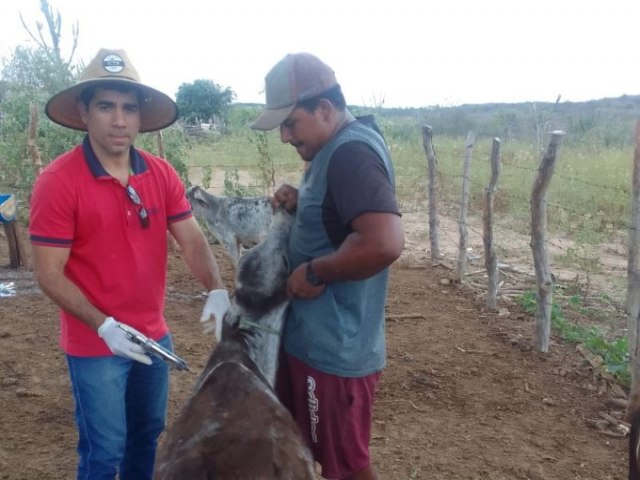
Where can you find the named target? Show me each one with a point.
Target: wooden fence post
(17, 249)
(14, 249)
(160, 142)
(427, 143)
(490, 262)
(464, 206)
(633, 278)
(172, 244)
(32, 140)
(544, 277)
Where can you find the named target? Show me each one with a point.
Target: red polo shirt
(119, 265)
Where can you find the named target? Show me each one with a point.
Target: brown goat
(234, 427)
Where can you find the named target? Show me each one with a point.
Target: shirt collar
(138, 164)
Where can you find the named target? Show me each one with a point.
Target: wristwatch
(312, 277)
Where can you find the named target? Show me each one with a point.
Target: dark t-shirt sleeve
(357, 183)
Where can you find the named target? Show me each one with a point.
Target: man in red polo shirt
(99, 219)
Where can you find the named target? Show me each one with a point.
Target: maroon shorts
(334, 414)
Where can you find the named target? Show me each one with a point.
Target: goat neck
(258, 339)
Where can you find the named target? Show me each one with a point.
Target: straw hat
(112, 66)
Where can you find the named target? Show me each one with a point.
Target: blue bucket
(7, 207)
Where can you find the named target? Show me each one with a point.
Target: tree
(203, 101)
(34, 69)
(43, 69)
(29, 77)
(54, 26)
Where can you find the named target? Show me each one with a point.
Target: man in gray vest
(347, 232)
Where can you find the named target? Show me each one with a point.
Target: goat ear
(197, 193)
(229, 322)
(226, 321)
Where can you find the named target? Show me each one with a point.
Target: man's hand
(216, 306)
(298, 285)
(117, 341)
(287, 197)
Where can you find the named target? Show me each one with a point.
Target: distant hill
(607, 121)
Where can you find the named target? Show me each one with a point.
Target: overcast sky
(405, 53)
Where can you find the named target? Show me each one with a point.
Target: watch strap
(312, 276)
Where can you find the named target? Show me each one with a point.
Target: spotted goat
(236, 222)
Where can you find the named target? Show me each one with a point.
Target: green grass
(614, 351)
(589, 190)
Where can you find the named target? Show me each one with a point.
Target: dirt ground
(463, 396)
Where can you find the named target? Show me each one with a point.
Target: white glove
(117, 341)
(217, 305)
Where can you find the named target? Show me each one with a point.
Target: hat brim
(272, 118)
(157, 111)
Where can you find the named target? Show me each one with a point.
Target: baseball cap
(297, 77)
(107, 67)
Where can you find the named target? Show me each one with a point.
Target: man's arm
(197, 253)
(376, 242)
(203, 265)
(49, 263)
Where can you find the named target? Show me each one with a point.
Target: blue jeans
(120, 411)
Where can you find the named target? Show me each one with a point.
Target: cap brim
(272, 118)
(157, 112)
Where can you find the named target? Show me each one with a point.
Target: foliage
(203, 101)
(37, 71)
(266, 167)
(615, 353)
(605, 122)
(207, 177)
(50, 46)
(15, 105)
(232, 185)
(175, 145)
(241, 116)
(29, 77)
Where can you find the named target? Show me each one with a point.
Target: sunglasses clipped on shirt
(142, 212)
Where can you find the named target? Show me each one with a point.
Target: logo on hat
(113, 63)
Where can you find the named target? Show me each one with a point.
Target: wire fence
(592, 258)
(591, 255)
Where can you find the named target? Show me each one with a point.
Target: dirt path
(463, 396)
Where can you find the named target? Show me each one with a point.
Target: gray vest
(341, 332)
